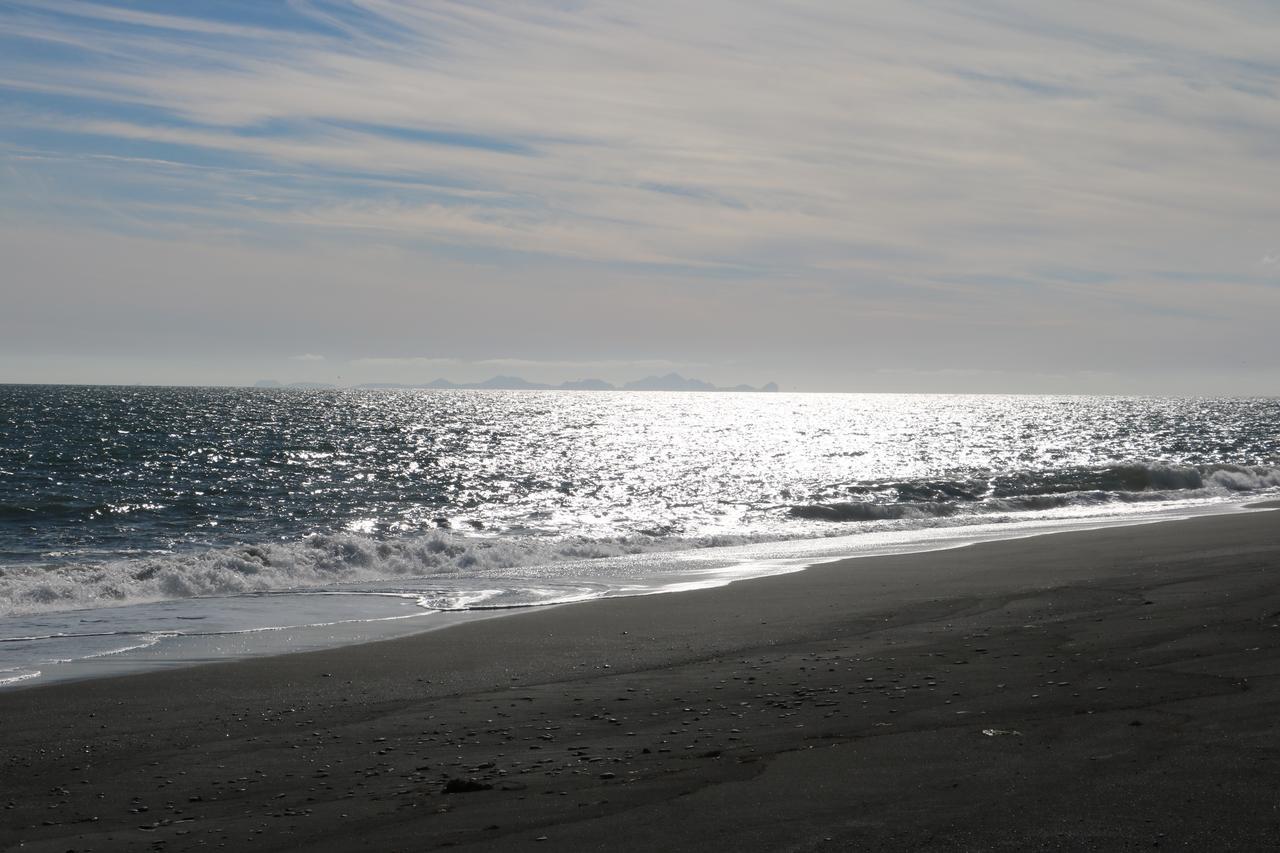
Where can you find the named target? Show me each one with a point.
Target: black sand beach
(1106, 690)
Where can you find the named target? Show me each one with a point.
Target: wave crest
(1030, 491)
(316, 561)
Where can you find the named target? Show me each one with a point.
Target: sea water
(145, 527)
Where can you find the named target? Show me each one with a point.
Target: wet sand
(1105, 690)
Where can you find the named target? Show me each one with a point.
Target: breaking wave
(329, 560)
(316, 561)
(1038, 491)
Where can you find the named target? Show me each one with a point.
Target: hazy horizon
(471, 385)
(920, 197)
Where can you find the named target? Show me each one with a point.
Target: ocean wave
(316, 561)
(1038, 491)
(327, 560)
(1137, 478)
(9, 677)
(868, 511)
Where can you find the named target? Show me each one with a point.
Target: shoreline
(842, 705)
(167, 651)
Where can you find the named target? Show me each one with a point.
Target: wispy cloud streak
(933, 149)
(656, 132)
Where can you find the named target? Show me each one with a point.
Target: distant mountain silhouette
(676, 382)
(513, 383)
(670, 382)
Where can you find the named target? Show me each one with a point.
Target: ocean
(148, 527)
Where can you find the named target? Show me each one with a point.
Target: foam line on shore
(178, 645)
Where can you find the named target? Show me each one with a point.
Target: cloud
(996, 163)
(308, 356)
(632, 133)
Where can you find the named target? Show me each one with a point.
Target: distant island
(670, 382)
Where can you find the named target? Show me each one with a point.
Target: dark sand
(1108, 690)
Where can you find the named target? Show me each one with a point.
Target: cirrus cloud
(930, 161)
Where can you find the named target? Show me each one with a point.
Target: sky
(923, 195)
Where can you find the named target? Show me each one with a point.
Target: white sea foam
(1237, 478)
(9, 677)
(316, 561)
(142, 641)
(353, 558)
(135, 637)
